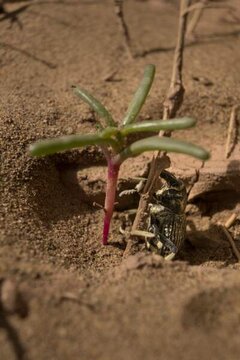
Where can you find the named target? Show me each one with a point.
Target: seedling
(114, 142)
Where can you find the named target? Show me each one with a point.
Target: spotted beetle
(167, 219)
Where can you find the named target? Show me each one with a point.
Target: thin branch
(230, 221)
(193, 181)
(225, 228)
(207, 4)
(199, 7)
(232, 132)
(230, 239)
(176, 90)
(198, 10)
(172, 104)
(161, 164)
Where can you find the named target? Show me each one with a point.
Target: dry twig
(198, 10)
(230, 239)
(194, 180)
(199, 7)
(172, 104)
(232, 132)
(230, 221)
(225, 228)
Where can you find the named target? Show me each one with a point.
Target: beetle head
(172, 194)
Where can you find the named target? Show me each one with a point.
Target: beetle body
(167, 219)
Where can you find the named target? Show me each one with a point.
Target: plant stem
(112, 179)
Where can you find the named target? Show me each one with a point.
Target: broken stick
(225, 228)
(230, 239)
(230, 221)
(172, 104)
(198, 10)
(232, 132)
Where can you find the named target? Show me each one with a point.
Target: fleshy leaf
(51, 146)
(140, 95)
(157, 125)
(95, 105)
(109, 131)
(165, 144)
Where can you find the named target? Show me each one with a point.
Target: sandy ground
(82, 300)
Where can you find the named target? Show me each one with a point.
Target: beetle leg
(142, 233)
(127, 192)
(154, 242)
(170, 256)
(168, 244)
(159, 241)
(138, 188)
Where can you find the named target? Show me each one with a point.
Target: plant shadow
(50, 196)
(13, 336)
(201, 40)
(19, 308)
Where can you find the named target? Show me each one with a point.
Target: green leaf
(140, 95)
(109, 131)
(165, 144)
(157, 125)
(95, 105)
(51, 146)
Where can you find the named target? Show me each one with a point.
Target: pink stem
(112, 179)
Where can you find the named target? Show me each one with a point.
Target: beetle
(167, 219)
